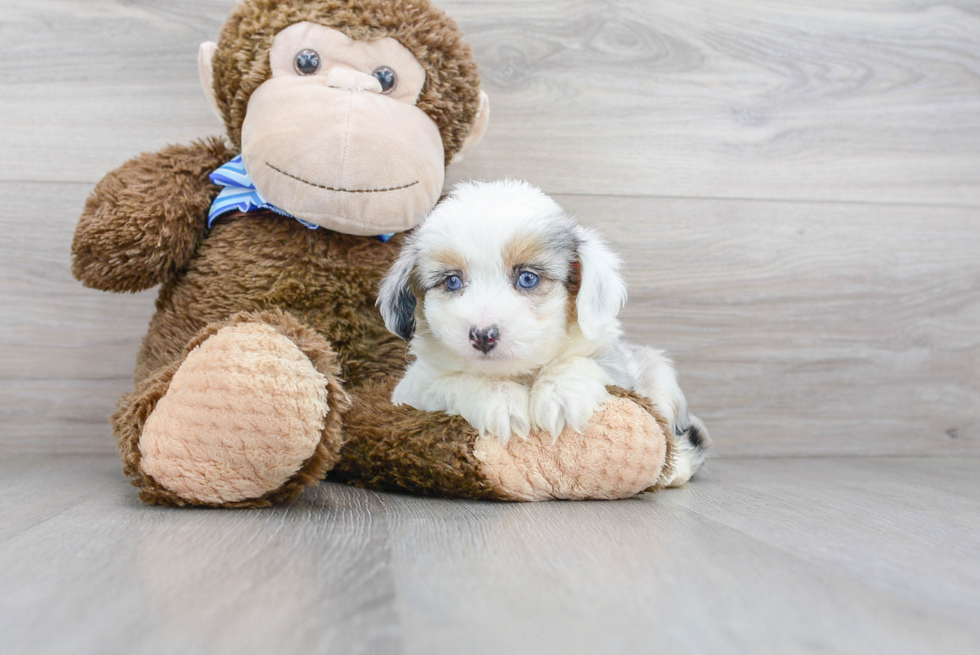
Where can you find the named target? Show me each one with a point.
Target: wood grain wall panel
(861, 101)
(854, 325)
(798, 328)
(867, 101)
(794, 187)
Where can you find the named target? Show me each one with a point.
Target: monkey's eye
(307, 62)
(387, 78)
(527, 280)
(454, 283)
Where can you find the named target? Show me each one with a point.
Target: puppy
(511, 309)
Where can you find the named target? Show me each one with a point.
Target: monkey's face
(334, 136)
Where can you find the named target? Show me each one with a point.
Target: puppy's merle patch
(404, 313)
(396, 298)
(695, 437)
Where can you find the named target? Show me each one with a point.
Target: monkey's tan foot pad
(243, 413)
(622, 453)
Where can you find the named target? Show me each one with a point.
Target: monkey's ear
(602, 292)
(205, 59)
(479, 129)
(396, 300)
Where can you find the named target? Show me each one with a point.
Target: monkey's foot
(246, 419)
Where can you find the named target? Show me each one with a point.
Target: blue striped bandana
(239, 194)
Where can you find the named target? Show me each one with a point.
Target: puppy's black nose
(484, 339)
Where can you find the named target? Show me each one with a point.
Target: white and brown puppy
(511, 309)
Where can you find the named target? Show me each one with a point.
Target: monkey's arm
(144, 220)
(624, 451)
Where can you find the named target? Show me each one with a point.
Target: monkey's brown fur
(145, 224)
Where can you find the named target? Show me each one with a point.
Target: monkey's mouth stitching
(330, 188)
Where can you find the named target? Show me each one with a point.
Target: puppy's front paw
(503, 412)
(557, 401)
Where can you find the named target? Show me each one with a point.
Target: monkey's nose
(484, 339)
(352, 80)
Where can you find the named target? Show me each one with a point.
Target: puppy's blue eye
(527, 280)
(454, 283)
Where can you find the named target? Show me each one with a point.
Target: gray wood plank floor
(825, 555)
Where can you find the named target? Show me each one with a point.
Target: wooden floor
(795, 188)
(824, 555)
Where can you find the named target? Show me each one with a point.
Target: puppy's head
(497, 275)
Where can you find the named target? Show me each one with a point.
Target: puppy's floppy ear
(396, 299)
(602, 292)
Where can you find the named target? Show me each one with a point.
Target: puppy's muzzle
(484, 339)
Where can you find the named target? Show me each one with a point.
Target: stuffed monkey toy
(267, 366)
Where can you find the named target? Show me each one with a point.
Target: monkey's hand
(145, 219)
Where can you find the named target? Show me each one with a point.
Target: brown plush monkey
(267, 365)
